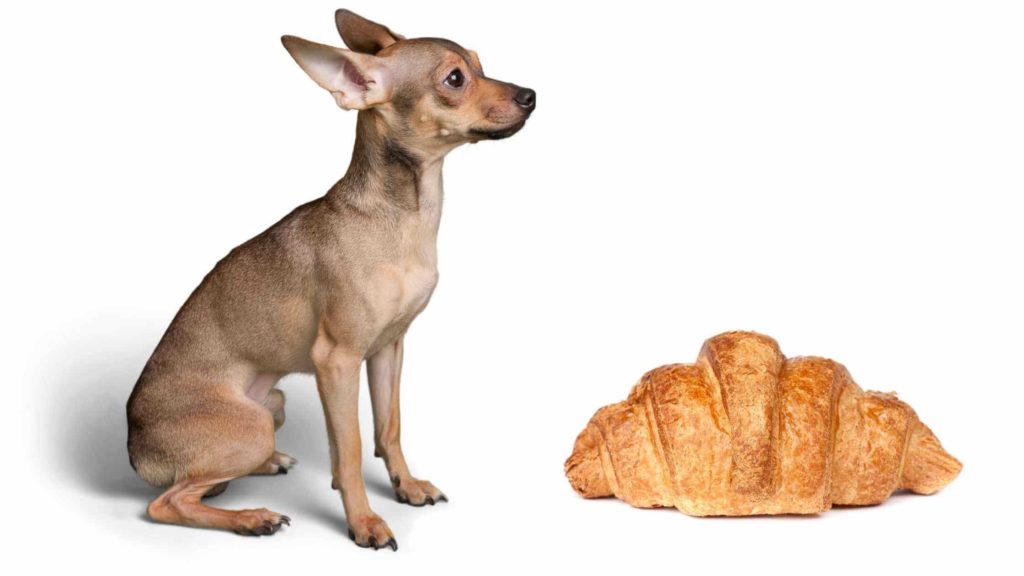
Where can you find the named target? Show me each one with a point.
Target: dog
(335, 282)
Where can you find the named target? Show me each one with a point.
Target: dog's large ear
(357, 81)
(362, 35)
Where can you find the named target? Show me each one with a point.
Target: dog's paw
(260, 522)
(284, 462)
(278, 463)
(417, 492)
(370, 531)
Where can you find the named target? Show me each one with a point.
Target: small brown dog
(335, 282)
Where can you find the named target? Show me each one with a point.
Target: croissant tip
(928, 467)
(583, 467)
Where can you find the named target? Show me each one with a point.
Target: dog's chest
(400, 291)
(405, 281)
(412, 285)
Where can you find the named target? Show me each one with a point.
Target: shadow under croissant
(902, 494)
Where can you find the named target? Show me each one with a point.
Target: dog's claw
(286, 520)
(282, 470)
(417, 493)
(371, 543)
(266, 524)
(373, 533)
(265, 529)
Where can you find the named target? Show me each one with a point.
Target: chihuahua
(334, 283)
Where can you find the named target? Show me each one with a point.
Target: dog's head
(431, 92)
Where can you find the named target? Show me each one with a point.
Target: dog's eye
(455, 78)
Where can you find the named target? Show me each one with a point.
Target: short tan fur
(334, 283)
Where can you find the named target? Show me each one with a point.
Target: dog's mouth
(499, 133)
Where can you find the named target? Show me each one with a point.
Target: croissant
(747, 431)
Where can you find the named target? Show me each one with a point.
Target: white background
(843, 178)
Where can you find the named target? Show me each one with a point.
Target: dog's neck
(385, 177)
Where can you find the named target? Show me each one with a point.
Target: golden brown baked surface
(745, 431)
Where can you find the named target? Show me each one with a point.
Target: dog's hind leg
(275, 403)
(180, 505)
(279, 462)
(232, 437)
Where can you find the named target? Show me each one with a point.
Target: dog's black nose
(526, 98)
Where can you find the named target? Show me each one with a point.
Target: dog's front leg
(337, 379)
(385, 372)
